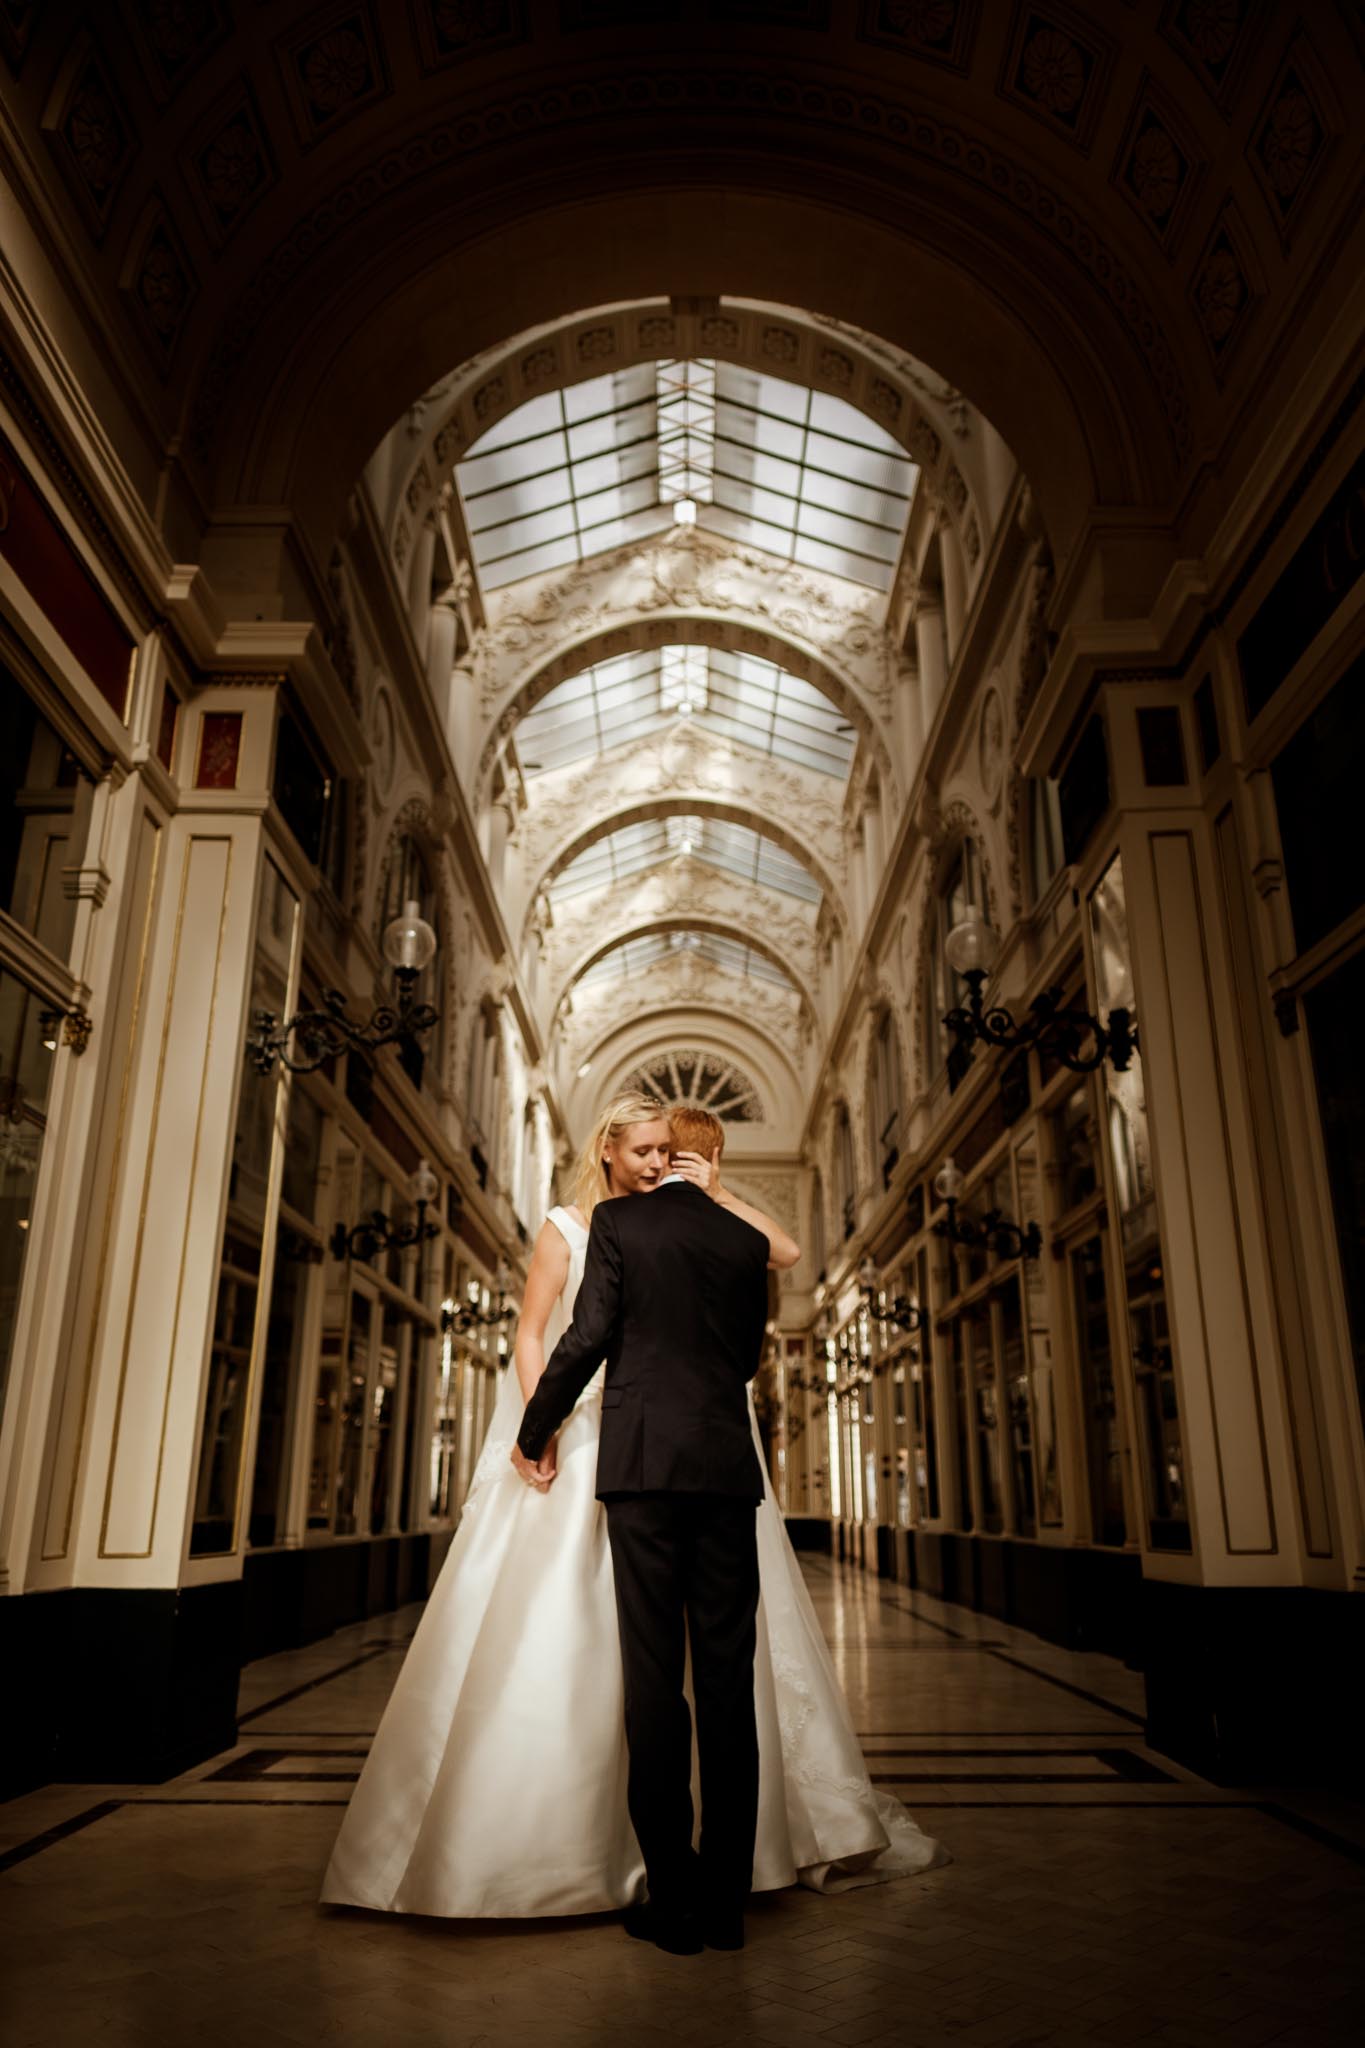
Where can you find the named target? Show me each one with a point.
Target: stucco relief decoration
(454, 138)
(1222, 289)
(419, 487)
(990, 752)
(333, 74)
(234, 168)
(92, 138)
(448, 30)
(541, 366)
(1290, 140)
(161, 284)
(680, 889)
(1208, 33)
(720, 332)
(1057, 73)
(658, 331)
(1157, 173)
(532, 627)
(971, 541)
(780, 344)
(884, 401)
(383, 743)
(596, 344)
(937, 29)
(489, 398)
(178, 35)
(682, 983)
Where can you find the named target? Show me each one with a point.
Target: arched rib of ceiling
(738, 933)
(742, 631)
(688, 804)
(920, 410)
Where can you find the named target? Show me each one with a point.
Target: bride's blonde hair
(590, 1183)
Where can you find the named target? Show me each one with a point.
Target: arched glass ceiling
(774, 465)
(734, 849)
(736, 695)
(636, 956)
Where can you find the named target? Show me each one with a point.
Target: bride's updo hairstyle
(592, 1177)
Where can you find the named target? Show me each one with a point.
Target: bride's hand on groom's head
(703, 1172)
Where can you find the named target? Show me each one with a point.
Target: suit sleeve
(583, 1346)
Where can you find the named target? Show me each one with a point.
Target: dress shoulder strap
(570, 1229)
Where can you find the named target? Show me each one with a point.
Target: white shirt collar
(671, 1176)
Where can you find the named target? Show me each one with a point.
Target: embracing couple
(535, 1756)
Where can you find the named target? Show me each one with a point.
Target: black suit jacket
(674, 1297)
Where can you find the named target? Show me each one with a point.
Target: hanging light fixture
(468, 1315)
(1080, 1041)
(992, 1231)
(904, 1313)
(409, 943)
(377, 1232)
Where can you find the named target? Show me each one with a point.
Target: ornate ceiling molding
(929, 417)
(556, 836)
(743, 933)
(669, 897)
(897, 142)
(687, 587)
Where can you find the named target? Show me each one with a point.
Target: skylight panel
(797, 473)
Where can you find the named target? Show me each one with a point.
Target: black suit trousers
(686, 1571)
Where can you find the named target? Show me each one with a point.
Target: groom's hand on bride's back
(540, 1473)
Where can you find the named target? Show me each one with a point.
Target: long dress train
(496, 1782)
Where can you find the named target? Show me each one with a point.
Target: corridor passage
(1098, 1893)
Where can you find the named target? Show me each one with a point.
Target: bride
(496, 1783)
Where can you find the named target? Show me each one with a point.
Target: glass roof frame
(635, 849)
(744, 698)
(794, 471)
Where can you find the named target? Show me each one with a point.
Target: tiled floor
(1099, 1893)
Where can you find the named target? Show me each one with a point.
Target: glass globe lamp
(409, 942)
(972, 947)
(948, 1181)
(425, 1186)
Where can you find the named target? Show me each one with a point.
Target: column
(932, 654)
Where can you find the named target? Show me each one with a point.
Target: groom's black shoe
(723, 1930)
(679, 1934)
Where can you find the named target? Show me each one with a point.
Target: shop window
(1044, 835)
(847, 1171)
(1103, 1438)
(817, 1224)
(1073, 1147)
(922, 1414)
(25, 1078)
(228, 1392)
(885, 1094)
(1160, 1436)
(45, 800)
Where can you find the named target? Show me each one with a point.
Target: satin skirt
(496, 1782)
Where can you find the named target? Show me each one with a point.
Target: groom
(674, 1297)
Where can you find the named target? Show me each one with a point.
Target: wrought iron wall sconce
(992, 1231)
(467, 1315)
(323, 1034)
(73, 1027)
(1080, 1041)
(378, 1232)
(904, 1313)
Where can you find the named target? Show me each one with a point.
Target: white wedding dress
(496, 1783)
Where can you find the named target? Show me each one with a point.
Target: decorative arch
(687, 803)
(744, 935)
(689, 1077)
(722, 622)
